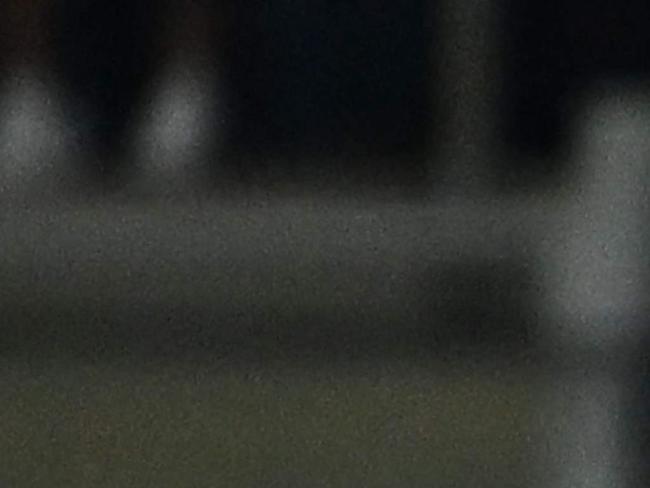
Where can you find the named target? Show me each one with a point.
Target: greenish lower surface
(88, 424)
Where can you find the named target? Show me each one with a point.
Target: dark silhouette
(557, 48)
(329, 78)
(105, 54)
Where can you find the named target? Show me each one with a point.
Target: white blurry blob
(35, 140)
(179, 128)
(596, 271)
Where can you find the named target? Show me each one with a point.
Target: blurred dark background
(554, 51)
(317, 226)
(345, 88)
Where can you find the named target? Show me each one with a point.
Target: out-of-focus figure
(34, 137)
(179, 130)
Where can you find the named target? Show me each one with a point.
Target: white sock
(35, 139)
(178, 129)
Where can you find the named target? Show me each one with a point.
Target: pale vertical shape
(593, 270)
(596, 273)
(180, 127)
(178, 135)
(35, 139)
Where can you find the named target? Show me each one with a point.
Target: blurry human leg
(180, 125)
(34, 140)
(596, 279)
